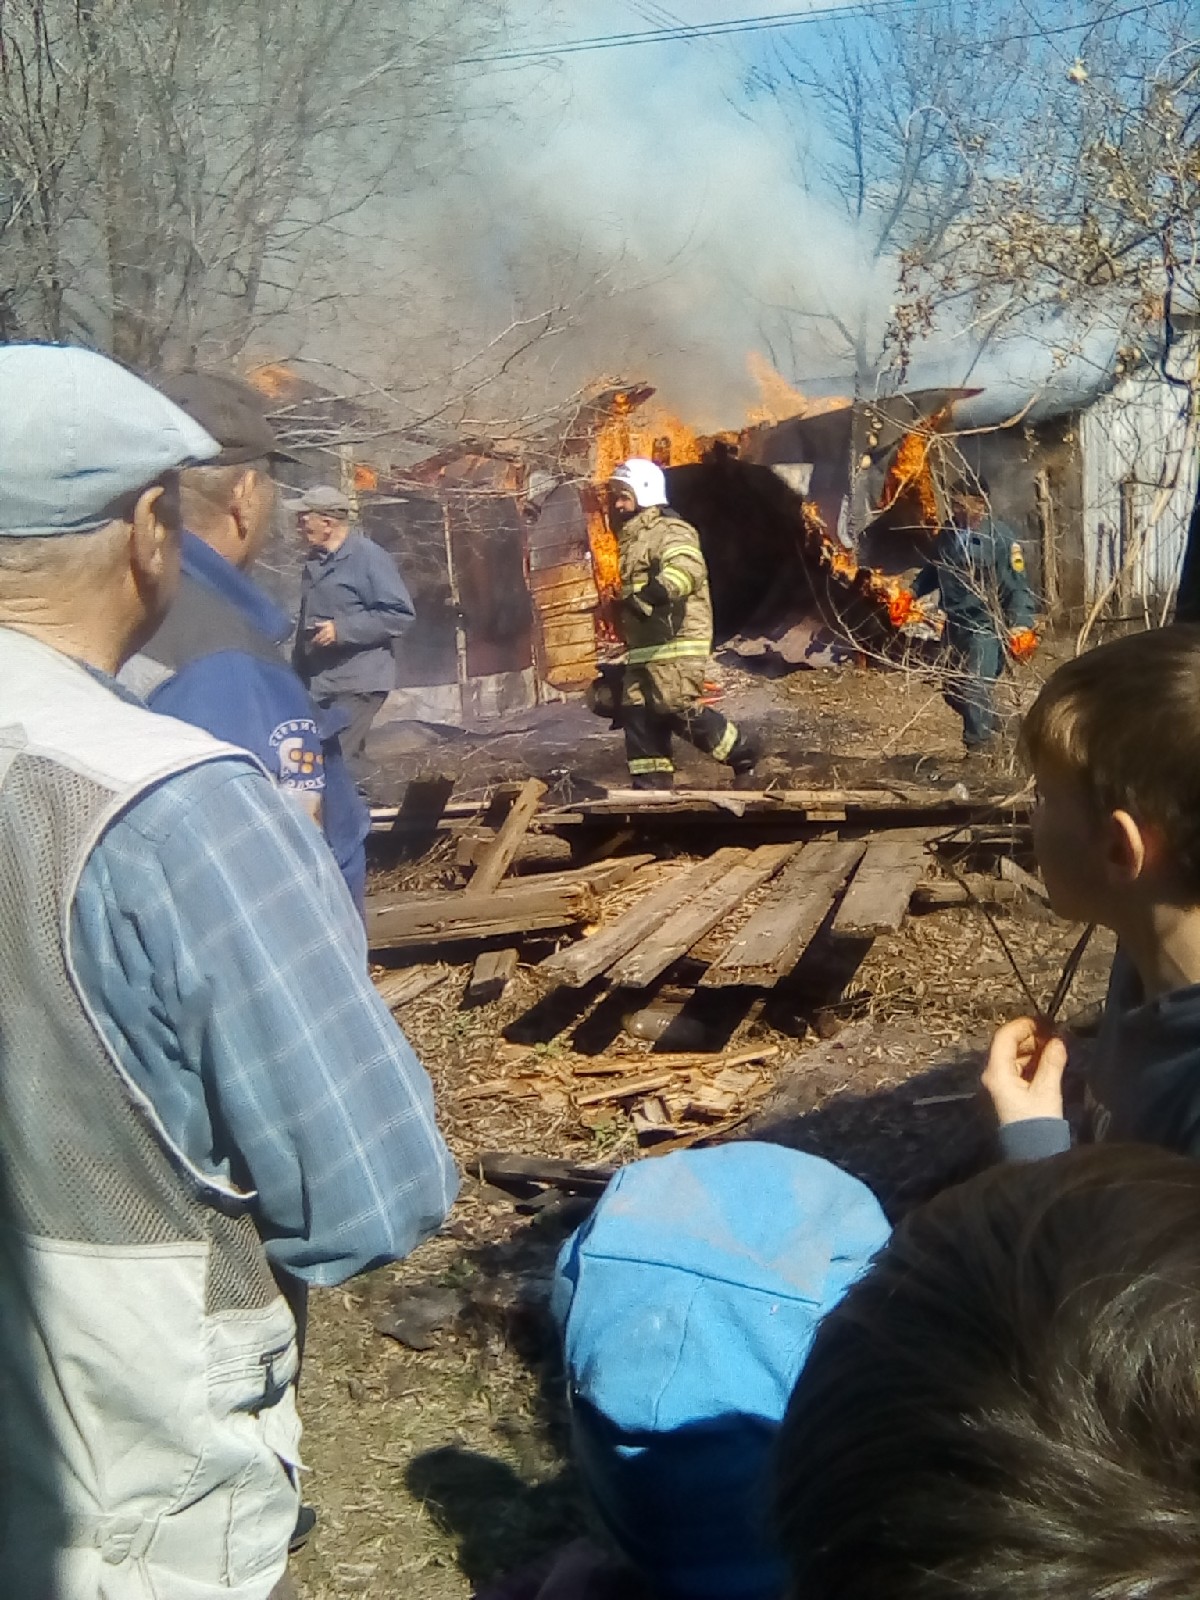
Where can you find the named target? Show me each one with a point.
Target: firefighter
(666, 623)
(978, 567)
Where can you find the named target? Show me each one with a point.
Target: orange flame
(910, 470)
(901, 604)
(777, 399)
(651, 431)
(365, 477)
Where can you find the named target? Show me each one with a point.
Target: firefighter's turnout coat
(667, 646)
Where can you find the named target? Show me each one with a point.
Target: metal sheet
(1139, 485)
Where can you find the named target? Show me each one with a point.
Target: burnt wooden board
(397, 922)
(419, 816)
(877, 899)
(676, 936)
(582, 962)
(772, 941)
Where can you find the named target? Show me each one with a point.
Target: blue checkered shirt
(225, 963)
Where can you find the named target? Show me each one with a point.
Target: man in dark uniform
(978, 568)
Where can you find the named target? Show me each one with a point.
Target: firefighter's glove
(647, 600)
(1022, 642)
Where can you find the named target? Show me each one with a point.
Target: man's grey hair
(60, 559)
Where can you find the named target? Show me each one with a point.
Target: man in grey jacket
(353, 603)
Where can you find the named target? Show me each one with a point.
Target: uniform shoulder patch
(298, 754)
(1017, 557)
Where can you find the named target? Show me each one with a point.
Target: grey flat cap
(78, 435)
(324, 498)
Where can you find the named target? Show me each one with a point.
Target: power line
(668, 19)
(698, 30)
(861, 9)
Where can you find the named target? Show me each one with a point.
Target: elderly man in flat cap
(218, 660)
(353, 603)
(199, 1087)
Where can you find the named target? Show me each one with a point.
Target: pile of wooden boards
(796, 861)
(804, 881)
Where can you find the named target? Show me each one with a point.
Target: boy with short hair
(1114, 743)
(1008, 1403)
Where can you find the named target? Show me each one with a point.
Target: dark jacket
(217, 661)
(980, 576)
(1143, 1081)
(359, 589)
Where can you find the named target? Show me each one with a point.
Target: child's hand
(1024, 1071)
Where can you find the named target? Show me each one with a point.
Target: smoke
(626, 212)
(634, 213)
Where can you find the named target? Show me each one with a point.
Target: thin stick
(1067, 978)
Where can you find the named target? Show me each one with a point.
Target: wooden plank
(877, 899)
(600, 875)
(398, 988)
(962, 891)
(534, 850)
(894, 796)
(504, 846)
(566, 574)
(1014, 874)
(771, 942)
(490, 976)
(626, 1089)
(561, 632)
(692, 921)
(610, 1066)
(580, 963)
(416, 823)
(401, 922)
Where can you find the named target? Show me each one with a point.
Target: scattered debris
(413, 1315)
(490, 976)
(399, 988)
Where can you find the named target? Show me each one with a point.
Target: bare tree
(165, 169)
(889, 129)
(1088, 201)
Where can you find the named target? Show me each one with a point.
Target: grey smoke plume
(629, 213)
(634, 203)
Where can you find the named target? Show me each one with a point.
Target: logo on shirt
(1018, 558)
(298, 755)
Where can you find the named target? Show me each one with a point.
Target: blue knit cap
(688, 1302)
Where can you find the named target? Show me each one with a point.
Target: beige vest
(155, 1359)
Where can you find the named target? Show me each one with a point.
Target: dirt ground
(435, 1471)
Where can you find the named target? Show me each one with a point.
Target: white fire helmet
(646, 480)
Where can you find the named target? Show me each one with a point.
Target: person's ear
(1129, 848)
(241, 504)
(152, 534)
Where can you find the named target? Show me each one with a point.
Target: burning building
(513, 567)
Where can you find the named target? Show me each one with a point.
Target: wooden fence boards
(580, 963)
(877, 899)
(770, 944)
(684, 927)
